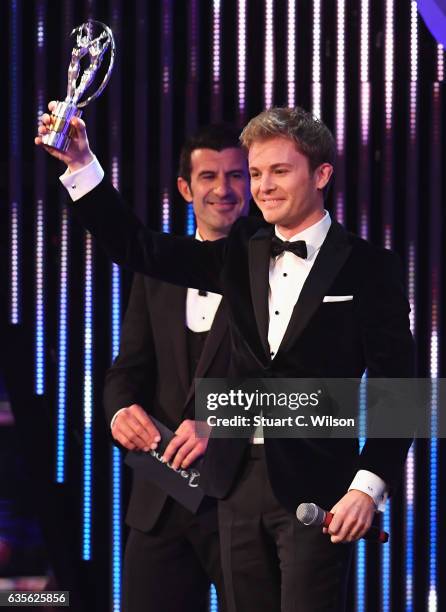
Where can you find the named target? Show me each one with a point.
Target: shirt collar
(314, 235)
(198, 236)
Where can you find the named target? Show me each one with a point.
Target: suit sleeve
(132, 377)
(390, 353)
(174, 259)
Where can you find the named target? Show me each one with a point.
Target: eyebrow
(215, 171)
(273, 166)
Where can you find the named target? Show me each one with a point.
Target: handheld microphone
(312, 515)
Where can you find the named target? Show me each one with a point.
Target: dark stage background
(375, 75)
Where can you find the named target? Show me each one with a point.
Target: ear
(184, 189)
(323, 175)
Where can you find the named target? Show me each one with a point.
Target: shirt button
(277, 312)
(272, 353)
(285, 274)
(203, 317)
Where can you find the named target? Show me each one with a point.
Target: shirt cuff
(373, 485)
(115, 416)
(82, 181)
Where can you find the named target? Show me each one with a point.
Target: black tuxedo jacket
(323, 339)
(152, 369)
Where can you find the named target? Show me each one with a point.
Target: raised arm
(125, 239)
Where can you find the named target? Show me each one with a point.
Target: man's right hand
(78, 154)
(134, 429)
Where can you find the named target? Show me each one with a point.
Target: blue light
(190, 220)
(386, 572)
(213, 601)
(62, 350)
(88, 399)
(410, 531)
(116, 456)
(433, 499)
(361, 573)
(116, 529)
(361, 561)
(116, 309)
(40, 301)
(40, 61)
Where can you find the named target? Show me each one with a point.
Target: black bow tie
(278, 246)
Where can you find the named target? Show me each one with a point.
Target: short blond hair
(311, 136)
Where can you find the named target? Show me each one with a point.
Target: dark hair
(312, 137)
(215, 136)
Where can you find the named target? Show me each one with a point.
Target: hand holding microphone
(312, 515)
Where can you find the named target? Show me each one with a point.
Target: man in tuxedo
(305, 299)
(171, 335)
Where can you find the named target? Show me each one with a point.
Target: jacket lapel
(213, 341)
(259, 257)
(331, 258)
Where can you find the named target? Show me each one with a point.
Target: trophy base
(61, 131)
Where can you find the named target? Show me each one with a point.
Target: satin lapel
(259, 257)
(213, 341)
(331, 258)
(174, 298)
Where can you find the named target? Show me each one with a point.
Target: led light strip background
(115, 155)
(411, 254)
(192, 91)
(63, 314)
(435, 286)
(40, 205)
(319, 54)
(15, 160)
(388, 232)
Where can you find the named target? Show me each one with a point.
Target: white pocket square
(338, 298)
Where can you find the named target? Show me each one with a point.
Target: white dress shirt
(201, 309)
(287, 275)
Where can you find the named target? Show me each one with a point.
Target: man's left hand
(185, 447)
(353, 515)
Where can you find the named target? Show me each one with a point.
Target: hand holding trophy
(63, 133)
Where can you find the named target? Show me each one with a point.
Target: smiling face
(218, 189)
(287, 192)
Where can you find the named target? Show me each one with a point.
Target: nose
(266, 183)
(222, 188)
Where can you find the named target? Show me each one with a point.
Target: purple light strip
(412, 160)
(141, 111)
(340, 113)
(193, 72)
(388, 188)
(291, 53)
(15, 161)
(269, 54)
(440, 63)
(364, 120)
(241, 59)
(166, 113)
(316, 70)
(216, 59)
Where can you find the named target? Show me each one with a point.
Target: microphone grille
(310, 514)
